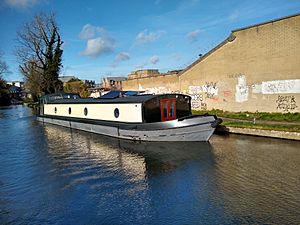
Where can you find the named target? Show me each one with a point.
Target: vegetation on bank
(77, 86)
(285, 117)
(257, 120)
(262, 126)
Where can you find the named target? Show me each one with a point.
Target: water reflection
(148, 176)
(54, 175)
(136, 160)
(259, 177)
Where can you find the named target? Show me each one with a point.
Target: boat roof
(125, 99)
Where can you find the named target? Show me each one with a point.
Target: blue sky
(115, 37)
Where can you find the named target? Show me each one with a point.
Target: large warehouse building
(256, 68)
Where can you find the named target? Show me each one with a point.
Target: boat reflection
(136, 160)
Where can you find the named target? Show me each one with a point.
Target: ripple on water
(54, 175)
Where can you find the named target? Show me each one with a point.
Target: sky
(116, 37)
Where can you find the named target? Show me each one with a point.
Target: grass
(261, 126)
(288, 117)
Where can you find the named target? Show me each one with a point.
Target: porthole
(85, 111)
(117, 112)
(55, 110)
(70, 110)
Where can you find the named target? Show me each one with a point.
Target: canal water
(54, 175)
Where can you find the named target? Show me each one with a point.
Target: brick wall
(255, 69)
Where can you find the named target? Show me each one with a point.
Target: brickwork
(143, 73)
(167, 83)
(255, 69)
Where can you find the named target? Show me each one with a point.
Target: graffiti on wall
(200, 92)
(197, 101)
(281, 86)
(195, 89)
(155, 90)
(286, 103)
(204, 94)
(241, 89)
(199, 105)
(227, 93)
(210, 89)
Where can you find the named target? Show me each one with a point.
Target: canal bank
(274, 129)
(264, 133)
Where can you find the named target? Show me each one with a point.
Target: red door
(168, 109)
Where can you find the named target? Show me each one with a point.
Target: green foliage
(4, 93)
(40, 54)
(53, 56)
(74, 79)
(3, 87)
(77, 87)
(289, 117)
(263, 126)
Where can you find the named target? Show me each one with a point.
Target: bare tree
(33, 80)
(39, 52)
(4, 70)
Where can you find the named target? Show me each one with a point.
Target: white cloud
(89, 31)
(154, 59)
(21, 4)
(98, 41)
(145, 37)
(98, 46)
(193, 35)
(122, 56)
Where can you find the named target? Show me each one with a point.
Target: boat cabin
(118, 106)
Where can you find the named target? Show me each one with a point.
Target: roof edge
(266, 22)
(230, 38)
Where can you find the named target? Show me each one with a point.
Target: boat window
(117, 112)
(70, 110)
(55, 110)
(168, 109)
(85, 111)
(165, 110)
(172, 109)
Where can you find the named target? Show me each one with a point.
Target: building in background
(143, 73)
(96, 91)
(112, 83)
(19, 84)
(17, 91)
(257, 68)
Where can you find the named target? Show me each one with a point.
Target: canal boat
(129, 115)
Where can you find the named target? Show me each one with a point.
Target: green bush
(289, 117)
